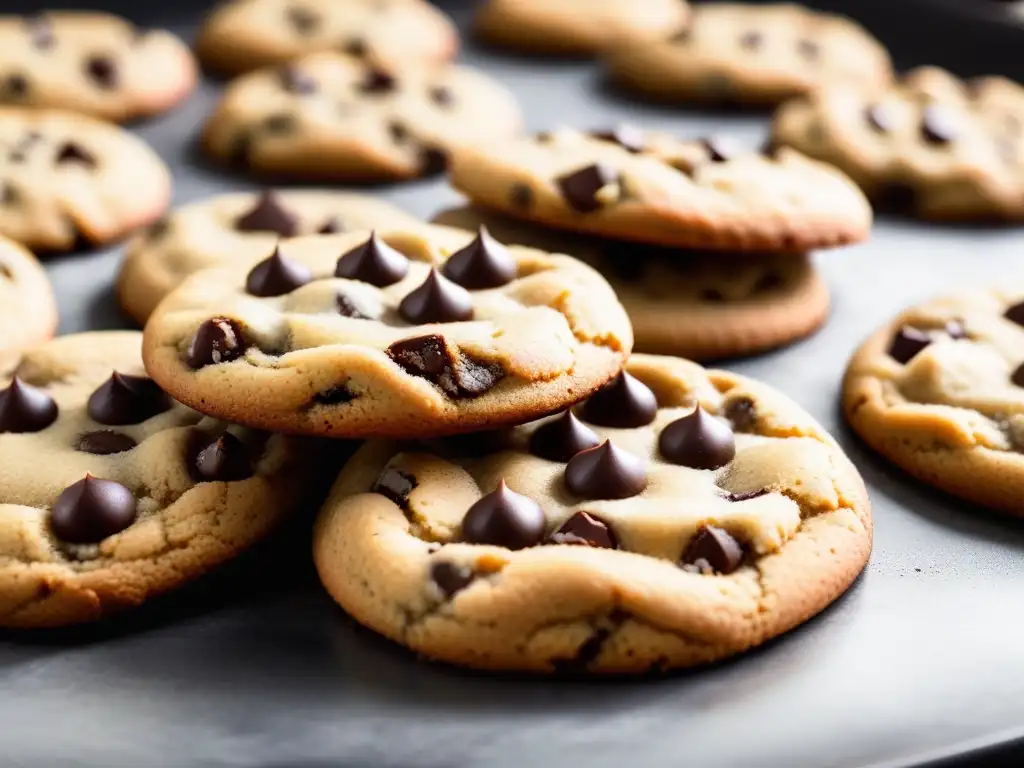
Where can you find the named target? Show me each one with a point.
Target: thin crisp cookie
(28, 309)
(677, 517)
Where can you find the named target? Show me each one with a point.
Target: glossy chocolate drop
(268, 214)
(276, 275)
(219, 459)
(437, 300)
(583, 189)
(217, 340)
(374, 262)
(504, 518)
(907, 342)
(605, 472)
(697, 440)
(124, 399)
(484, 263)
(103, 72)
(451, 577)
(91, 510)
(24, 408)
(585, 529)
(1015, 314)
(713, 550)
(625, 402)
(562, 438)
(377, 81)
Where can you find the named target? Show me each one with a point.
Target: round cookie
(681, 516)
(28, 309)
(750, 54)
(575, 27)
(237, 228)
(66, 179)
(111, 493)
(94, 63)
(655, 188)
(411, 332)
(242, 35)
(328, 116)
(939, 392)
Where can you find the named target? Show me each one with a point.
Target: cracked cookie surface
(328, 116)
(681, 516)
(236, 228)
(931, 145)
(655, 188)
(697, 305)
(94, 63)
(28, 309)
(409, 332)
(247, 34)
(750, 54)
(574, 27)
(111, 493)
(65, 178)
(939, 391)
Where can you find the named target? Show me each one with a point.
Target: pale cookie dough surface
(328, 116)
(65, 178)
(940, 392)
(690, 193)
(28, 309)
(183, 526)
(94, 63)
(695, 304)
(750, 54)
(575, 27)
(236, 228)
(247, 34)
(359, 356)
(930, 145)
(391, 546)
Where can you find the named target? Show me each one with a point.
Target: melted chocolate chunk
(697, 440)
(276, 275)
(102, 70)
(294, 80)
(217, 340)
(605, 472)
(1015, 314)
(504, 518)
(451, 577)
(484, 263)
(104, 443)
(521, 197)
(14, 87)
(1017, 377)
(70, 152)
(332, 226)
(907, 342)
(124, 399)
(24, 408)
(458, 377)
(713, 550)
(222, 459)
(395, 485)
(741, 413)
(374, 262)
(629, 137)
(305, 21)
(377, 81)
(399, 132)
(441, 95)
(91, 510)
(938, 125)
(625, 402)
(348, 308)
(562, 438)
(587, 189)
(269, 214)
(436, 300)
(583, 528)
(338, 395)
(433, 160)
(746, 495)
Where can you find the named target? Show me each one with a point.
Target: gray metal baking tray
(923, 660)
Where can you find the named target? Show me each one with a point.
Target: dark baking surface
(256, 667)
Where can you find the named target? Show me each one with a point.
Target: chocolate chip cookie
(940, 392)
(94, 63)
(575, 27)
(28, 310)
(68, 180)
(238, 228)
(402, 333)
(328, 116)
(930, 145)
(698, 304)
(750, 54)
(678, 516)
(110, 492)
(242, 35)
(655, 188)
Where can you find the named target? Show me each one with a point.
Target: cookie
(731, 53)
(328, 116)
(111, 493)
(94, 63)
(930, 145)
(69, 180)
(409, 332)
(696, 304)
(28, 309)
(238, 228)
(655, 188)
(575, 27)
(939, 392)
(247, 34)
(678, 517)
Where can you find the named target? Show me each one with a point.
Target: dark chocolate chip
(91, 510)
(276, 275)
(24, 408)
(1017, 377)
(451, 577)
(605, 472)
(720, 149)
(880, 117)
(395, 485)
(713, 550)
(429, 357)
(40, 31)
(582, 189)
(124, 399)
(441, 95)
(938, 125)
(562, 438)
(282, 122)
(809, 49)
(399, 133)
(697, 440)
(104, 443)
(14, 87)
(217, 340)
(741, 413)
(433, 160)
(332, 226)
(583, 528)
(624, 402)
(70, 152)
(268, 214)
(484, 263)
(1015, 314)
(221, 459)
(521, 197)
(746, 495)
(751, 40)
(629, 137)
(338, 395)
(504, 518)
(348, 308)
(374, 262)
(907, 342)
(294, 80)
(436, 300)
(103, 71)
(305, 21)
(378, 81)
(356, 46)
